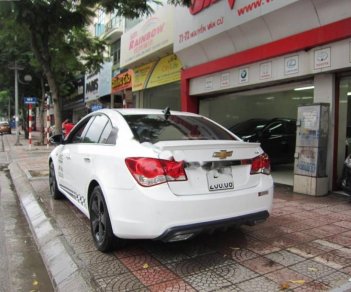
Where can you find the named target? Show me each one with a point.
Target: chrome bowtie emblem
(223, 154)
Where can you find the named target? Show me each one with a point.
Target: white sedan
(153, 174)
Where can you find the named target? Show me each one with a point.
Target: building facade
(262, 58)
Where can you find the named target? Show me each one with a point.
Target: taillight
(152, 171)
(261, 164)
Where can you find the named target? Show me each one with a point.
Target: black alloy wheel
(54, 191)
(100, 222)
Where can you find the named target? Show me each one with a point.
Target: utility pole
(16, 68)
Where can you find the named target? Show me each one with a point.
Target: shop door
(344, 128)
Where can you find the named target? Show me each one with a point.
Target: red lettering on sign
(231, 3)
(199, 5)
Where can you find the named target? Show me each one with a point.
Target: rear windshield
(155, 128)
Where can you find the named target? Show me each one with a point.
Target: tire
(54, 191)
(100, 223)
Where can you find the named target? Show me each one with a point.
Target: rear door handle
(87, 159)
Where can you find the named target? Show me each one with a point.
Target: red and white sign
(206, 18)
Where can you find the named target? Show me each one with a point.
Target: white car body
(171, 209)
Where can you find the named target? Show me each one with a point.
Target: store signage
(209, 83)
(122, 81)
(166, 70)
(194, 25)
(91, 86)
(224, 82)
(291, 65)
(98, 83)
(149, 36)
(265, 70)
(322, 58)
(141, 75)
(244, 75)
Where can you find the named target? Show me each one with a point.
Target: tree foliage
(59, 39)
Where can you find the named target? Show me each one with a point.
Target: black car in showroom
(346, 176)
(277, 137)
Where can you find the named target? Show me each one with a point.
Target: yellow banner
(141, 76)
(166, 70)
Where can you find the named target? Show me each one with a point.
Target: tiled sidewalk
(304, 246)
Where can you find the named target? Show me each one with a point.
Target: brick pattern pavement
(305, 245)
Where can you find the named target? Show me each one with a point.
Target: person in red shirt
(67, 127)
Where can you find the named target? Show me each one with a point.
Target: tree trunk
(41, 52)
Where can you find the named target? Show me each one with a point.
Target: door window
(96, 129)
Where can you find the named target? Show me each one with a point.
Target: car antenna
(167, 112)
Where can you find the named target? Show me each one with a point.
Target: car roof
(143, 111)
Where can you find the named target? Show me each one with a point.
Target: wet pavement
(21, 268)
(305, 245)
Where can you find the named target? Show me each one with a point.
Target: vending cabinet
(310, 173)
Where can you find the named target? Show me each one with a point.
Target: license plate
(220, 179)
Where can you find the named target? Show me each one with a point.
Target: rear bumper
(195, 229)
(158, 214)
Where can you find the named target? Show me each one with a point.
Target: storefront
(147, 49)
(245, 60)
(122, 90)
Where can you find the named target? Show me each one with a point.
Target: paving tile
(154, 275)
(325, 245)
(213, 260)
(120, 283)
(83, 247)
(300, 237)
(235, 273)
(242, 254)
(80, 237)
(186, 267)
(261, 247)
(195, 248)
(312, 269)
(347, 270)
(336, 259)
(335, 279)
(313, 286)
(268, 233)
(284, 258)
(262, 265)
(96, 257)
(207, 281)
(107, 269)
(340, 239)
(284, 242)
(288, 278)
(170, 256)
(177, 285)
(139, 262)
(128, 251)
(259, 284)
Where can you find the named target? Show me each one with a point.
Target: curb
(63, 271)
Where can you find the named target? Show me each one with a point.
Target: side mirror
(57, 139)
